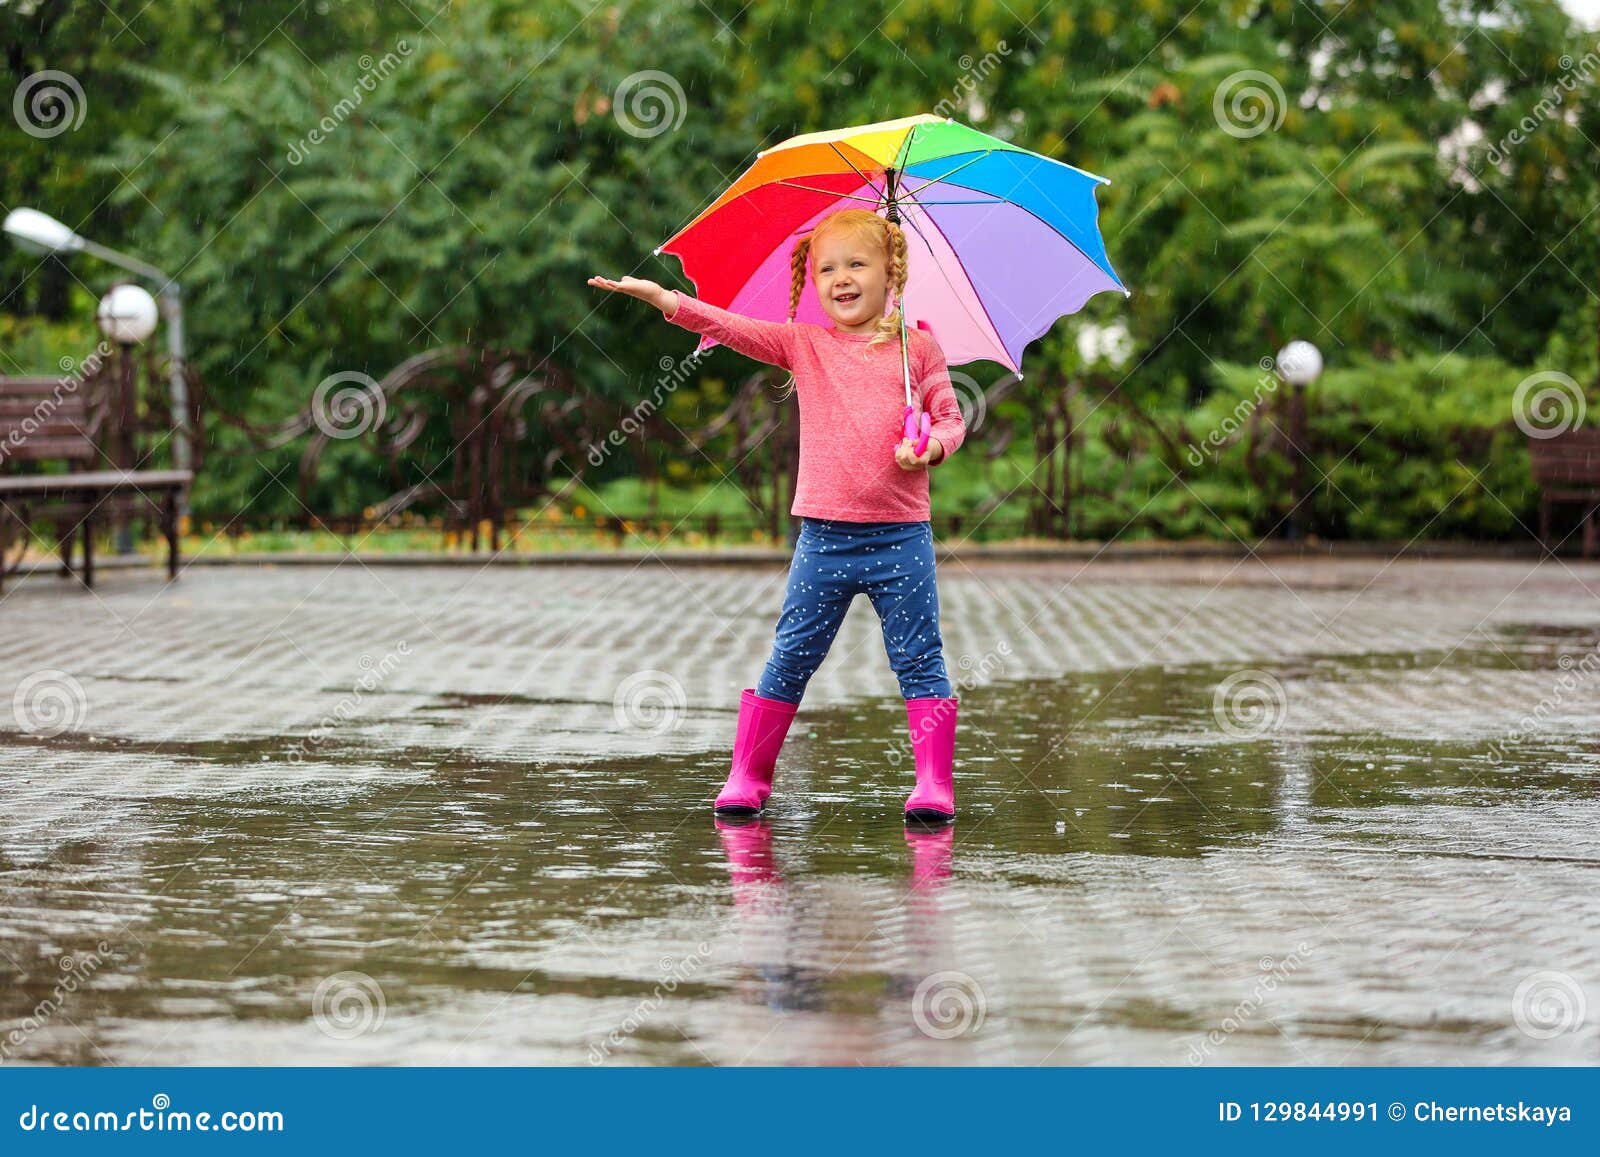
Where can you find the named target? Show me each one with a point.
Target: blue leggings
(892, 563)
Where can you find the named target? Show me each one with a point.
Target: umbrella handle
(917, 427)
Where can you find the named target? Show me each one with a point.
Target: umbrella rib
(957, 169)
(982, 304)
(856, 171)
(1058, 232)
(945, 273)
(829, 192)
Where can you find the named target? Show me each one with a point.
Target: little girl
(862, 497)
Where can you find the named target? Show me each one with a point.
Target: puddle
(1121, 868)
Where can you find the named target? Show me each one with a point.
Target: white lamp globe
(127, 314)
(1299, 363)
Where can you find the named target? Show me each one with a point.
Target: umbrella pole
(905, 358)
(892, 212)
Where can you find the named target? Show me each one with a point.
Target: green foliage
(339, 186)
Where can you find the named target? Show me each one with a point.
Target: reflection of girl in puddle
(767, 927)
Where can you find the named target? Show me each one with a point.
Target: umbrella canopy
(1002, 242)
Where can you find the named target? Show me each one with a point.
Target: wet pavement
(1212, 812)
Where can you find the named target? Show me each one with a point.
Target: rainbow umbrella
(1002, 241)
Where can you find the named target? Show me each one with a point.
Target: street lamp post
(40, 233)
(1299, 363)
(127, 316)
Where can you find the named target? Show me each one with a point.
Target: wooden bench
(1566, 468)
(54, 420)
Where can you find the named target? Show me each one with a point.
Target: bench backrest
(1572, 456)
(45, 419)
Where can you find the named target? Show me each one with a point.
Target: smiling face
(852, 276)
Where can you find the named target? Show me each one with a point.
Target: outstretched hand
(637, 287)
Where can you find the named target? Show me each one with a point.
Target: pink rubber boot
(763, 726)
(933, 746)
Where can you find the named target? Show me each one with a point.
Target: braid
(797, 285)
(797, 263)
(895, 242)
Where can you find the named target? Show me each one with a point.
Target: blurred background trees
(340, 185)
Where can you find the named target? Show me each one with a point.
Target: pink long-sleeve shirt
(852, 407)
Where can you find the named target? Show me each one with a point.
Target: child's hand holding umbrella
(909, 457)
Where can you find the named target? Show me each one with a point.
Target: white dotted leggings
(892, 564)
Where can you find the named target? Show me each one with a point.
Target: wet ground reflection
(1121, 874)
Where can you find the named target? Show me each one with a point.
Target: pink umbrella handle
(918, 427)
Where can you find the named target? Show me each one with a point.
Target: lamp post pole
(1299, 363)
(40, 233)
(127, 316)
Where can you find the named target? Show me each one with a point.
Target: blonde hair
(891, 240)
